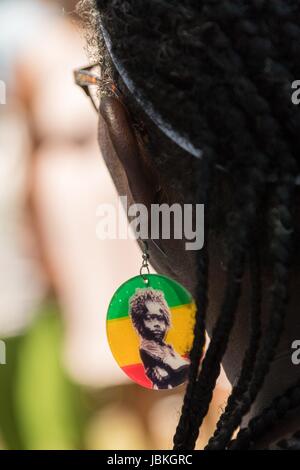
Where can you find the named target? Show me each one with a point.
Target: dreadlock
(221, 73)
(251, 352)
(257, 427)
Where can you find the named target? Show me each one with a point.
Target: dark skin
(154, 323)
(155, 329)
(134, 175)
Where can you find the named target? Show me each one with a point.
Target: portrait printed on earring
(151, 318)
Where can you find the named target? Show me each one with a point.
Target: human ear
(129, 148)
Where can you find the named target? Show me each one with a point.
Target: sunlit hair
(138, 308)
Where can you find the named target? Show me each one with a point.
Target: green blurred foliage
(39, 406)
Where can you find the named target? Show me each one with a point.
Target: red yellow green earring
(150, 322)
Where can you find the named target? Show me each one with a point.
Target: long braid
(291, 443)
(251, 352)
(280, 251)
(201, 302)
(261, 105)
(263, 108)
(258, 425)
(237, 268)
(229, 421)
(212, 362)
(270, 124)
(178, 436)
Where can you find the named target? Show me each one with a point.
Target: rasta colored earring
(150, 322)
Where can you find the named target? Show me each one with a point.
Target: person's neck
(283, 429)
(281, 376)
(283, 373)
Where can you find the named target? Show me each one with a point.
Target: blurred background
(60, 387)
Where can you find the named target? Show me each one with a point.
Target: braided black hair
(251, 352)
(290, 443)
(221, 73)
(258, 426)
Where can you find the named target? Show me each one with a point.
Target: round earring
(150, 322)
